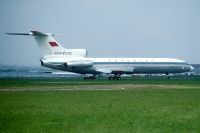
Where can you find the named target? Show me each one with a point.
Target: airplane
(75, 60)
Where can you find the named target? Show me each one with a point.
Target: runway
(97, 87)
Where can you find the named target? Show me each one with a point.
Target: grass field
(101, 106)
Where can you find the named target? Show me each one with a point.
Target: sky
(106, 28)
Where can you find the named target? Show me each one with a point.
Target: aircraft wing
(116, 70)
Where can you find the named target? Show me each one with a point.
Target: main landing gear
(168, 76)
(90, 77)
(115, 77)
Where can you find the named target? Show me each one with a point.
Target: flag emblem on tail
(53, 44)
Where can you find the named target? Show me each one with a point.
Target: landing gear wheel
(114, 78)
(90, 77)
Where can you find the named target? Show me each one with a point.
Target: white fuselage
(119, 65)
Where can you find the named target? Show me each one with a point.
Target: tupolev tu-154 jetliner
(76, 60)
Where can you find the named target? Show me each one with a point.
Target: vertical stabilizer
(47, 43)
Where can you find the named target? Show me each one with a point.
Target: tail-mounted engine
(79, 64)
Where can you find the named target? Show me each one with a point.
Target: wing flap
(116, 70)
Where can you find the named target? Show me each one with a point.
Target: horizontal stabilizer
(33, 33)
(25, 34)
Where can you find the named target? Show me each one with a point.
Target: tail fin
(50, 46)
(46, 42)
